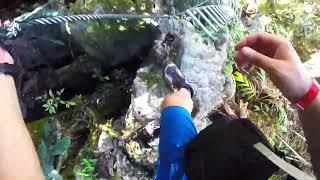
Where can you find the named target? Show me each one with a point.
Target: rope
(87, 17)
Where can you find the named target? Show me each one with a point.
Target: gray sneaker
(176, 79)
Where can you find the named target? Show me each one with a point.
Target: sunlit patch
(90, 29)
(122, 28)
(68, 28)
(143, 7)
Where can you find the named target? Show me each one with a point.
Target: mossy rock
(150, 78)
(34, 129)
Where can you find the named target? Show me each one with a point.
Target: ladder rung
(212, 17)
(217, 13)
(207, 20)
(199, 23)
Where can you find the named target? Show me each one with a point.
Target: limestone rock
(149, 89)
(112, 162)
(203, 67)
(201, 63)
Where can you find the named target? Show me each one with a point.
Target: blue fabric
(177, 129)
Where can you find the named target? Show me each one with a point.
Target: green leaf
(62, 146)
(47, 169)
(52, 110)
(90, 29)
(50, 102)
(256, 108)
(283, 128)
(68, 27)
(262, 75)
(72, 103)
(42, 150)
(50, 93)
(59, 93)
(228, 69)
(46, 130)
(245, 87)
(107, 78)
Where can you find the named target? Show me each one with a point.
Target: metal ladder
(213, 16)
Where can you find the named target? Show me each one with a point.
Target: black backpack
(224, 150)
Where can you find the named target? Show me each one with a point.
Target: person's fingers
(262, 38)
(5, 57)
(248, 56)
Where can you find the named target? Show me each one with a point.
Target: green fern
(273, 109)
(245, 87)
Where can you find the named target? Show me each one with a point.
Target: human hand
(279, 59)
(5, 57)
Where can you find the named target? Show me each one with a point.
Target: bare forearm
(310, 119)
(278, 58)
(18, 158)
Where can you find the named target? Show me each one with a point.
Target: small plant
(246, 88)
(53, 101)
(97, 74)
(53, 150)
(87, 167)
(273, 108)
(237, 33)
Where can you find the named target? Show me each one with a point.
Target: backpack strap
(282, 164)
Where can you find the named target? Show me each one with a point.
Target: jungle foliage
(255, 87)
(54, 146)
(298, 21)
(53, 101)
(53, 150)
(268, 109)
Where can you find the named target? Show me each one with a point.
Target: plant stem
(302, 137)
(295, 152)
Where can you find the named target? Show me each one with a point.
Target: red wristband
(309, 97)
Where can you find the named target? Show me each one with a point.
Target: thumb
(256, 58)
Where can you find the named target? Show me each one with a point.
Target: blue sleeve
(177, 129)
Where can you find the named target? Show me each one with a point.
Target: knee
(178, 99)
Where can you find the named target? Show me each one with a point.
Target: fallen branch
(302, 137)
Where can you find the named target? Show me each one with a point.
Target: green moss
(150, 78)
(34, 129)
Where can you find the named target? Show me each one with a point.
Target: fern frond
(245, 87)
